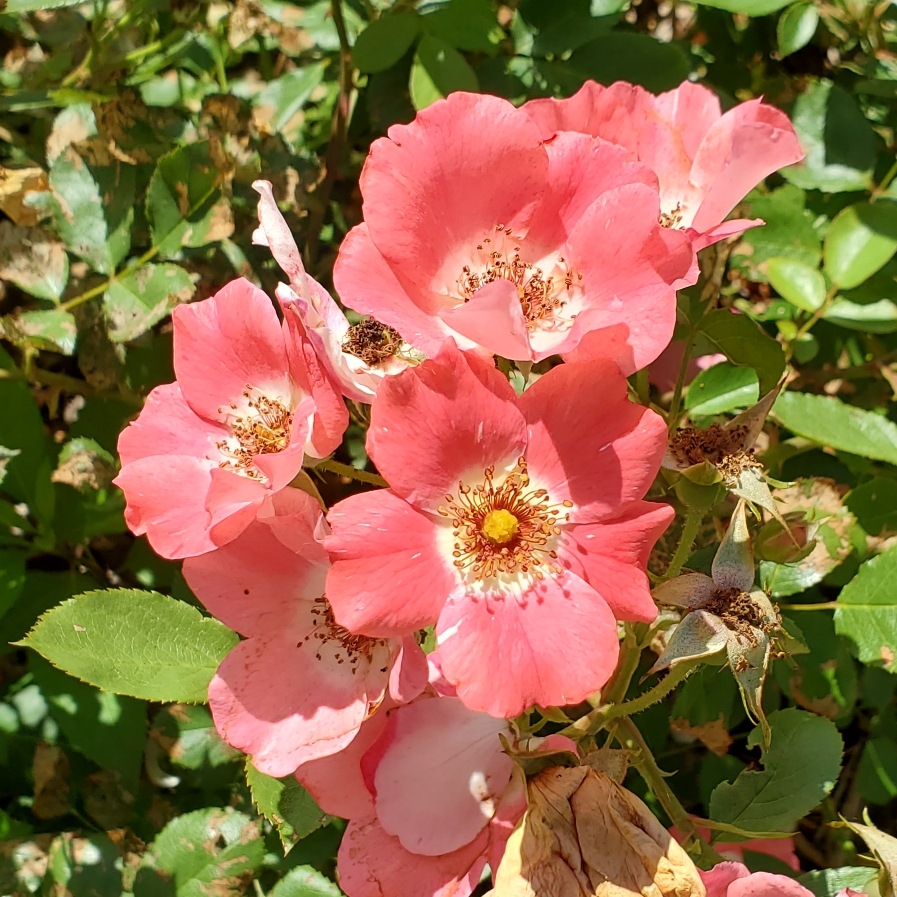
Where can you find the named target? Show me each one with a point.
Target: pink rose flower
(299, 686)
(477, 228)
(356, 357)
(432, 798)
(736, 880)
(706, 162)
(513, 523)
(208, 450)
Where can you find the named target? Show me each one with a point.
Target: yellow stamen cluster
(504, 528)
(348, 648)
(539, 297)
(264, 430)
(672, 219)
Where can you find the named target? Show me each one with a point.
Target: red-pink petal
(286, 700)
(587, 442)
(366, 283)
(493, 318)
(464, 165)
(387, 578)
(766, 884)
(372, 863)
(225, 343)
(613, 557)
(554, 644)
(439, 780)
(256, 584)
(721, 876)
(336, 782)
(448, 417)
(167, 425)
(410, 672)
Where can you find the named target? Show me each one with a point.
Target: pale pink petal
(372, 863)
(336, 782)
(226, 343)
(765, 884)
(748, 143)
(493, 318)
(690, 110)
(721, 876)
(285, 698)
(387, 578)
(166, 498)
(614, 557)
(438, 782)
(366, 283)
(256, 584)
(554, 644)
(410, 672)
(448, 417)
(569, 114)
(233, 502)
(277, 236)
(464, 165)
(168, 426)
(723, 231)
(588, 443)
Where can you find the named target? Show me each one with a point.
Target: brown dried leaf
(585, 836)
(15, 185)
(33, 260)
(713, 735)
(51, 788)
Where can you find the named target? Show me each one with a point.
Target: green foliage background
(130, 133)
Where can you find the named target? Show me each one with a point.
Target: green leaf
(469, 25)
(837, 138)
(14, 6)
(638, 58)
(385, 41)
(286, 805)
(872, 317)
(134, 643)
(52, 329)
(721, 388)
(747, 7)
(190, 739)
(109, 729)
(828, 421)
(788, 233)
(12, 578)
(744, 343)
(278, 103)
(861, 240)
(184, 201)
(876, 779)
(800, 284)
(796, 27)
(558, 27)
(33, 260)
(135, 303)
(830, 882)
(874, 504)
(201, 853)
(84, 867)
(305, 881)
(438, 69)
(78, 211)
(867, 611)
(800, 768)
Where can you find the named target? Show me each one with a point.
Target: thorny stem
(345, 470)
(647, 766)
(337, 135)
(618, 685)
(693, 520)
(601, 716)
(808, 324)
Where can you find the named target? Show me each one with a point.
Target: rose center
(500, 526)
(372, 342)
(263, 430)
(540, 296)
(504, 528)
(348, 648)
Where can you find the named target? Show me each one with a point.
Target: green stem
(885, 182)
(630, 655)
(822, 605)
(643, 387)
(345, 470)
(601, 716)
(693, 520)
(647, 766)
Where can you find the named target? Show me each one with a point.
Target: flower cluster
(514, 533)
